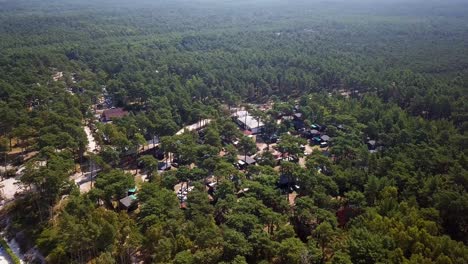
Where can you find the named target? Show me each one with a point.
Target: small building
(128, 203)
(245, 161)
(316, 126)
(316, 140)
(252, 124)
(112, 114)
(310, 134)
(314, 133)
(248, 122)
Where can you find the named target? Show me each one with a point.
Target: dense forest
(362, 156)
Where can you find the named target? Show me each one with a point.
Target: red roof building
(114, 113)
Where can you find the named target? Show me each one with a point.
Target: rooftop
(128, 201)
(250, 121)
(249, 160)
(114, 113)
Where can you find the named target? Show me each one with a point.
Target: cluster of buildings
(105, 110)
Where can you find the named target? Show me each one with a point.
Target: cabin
(112, 114)
(316, 140)
(312, 133)
(316, 127)
(128, 203)
(245, 161)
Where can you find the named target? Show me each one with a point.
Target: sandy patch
(92, 145)
(195, 126)
(9, 187)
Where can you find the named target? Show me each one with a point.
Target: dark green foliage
(394, 72)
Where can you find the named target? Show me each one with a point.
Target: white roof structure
(251, 122)
(247, 121)
(241, 113)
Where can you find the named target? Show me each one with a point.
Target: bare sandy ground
(83, 180)
(195, 126)
(9, 187)
(91, 141)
